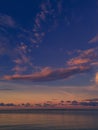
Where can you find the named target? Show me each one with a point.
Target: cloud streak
(84, 57)
(48, 74)
(94, 39)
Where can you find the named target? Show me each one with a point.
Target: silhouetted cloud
(8, 104)
(90, 103)
(74, 102)
(87, 102)
(48, 74)
(49, 104)
(2, 104)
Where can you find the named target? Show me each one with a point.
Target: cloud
(96, 78)
(20, 41)
(8, 104)
(87, 102)
(94, 63)
(94, 39)
(88, 57)
(48, 17)
(22, 61)
(19, 69)
(48, 74)
(50, 14)
(90, 103)
(92, 99)
(78, 61)
(6, 21)
(84, 57)
(74, 102)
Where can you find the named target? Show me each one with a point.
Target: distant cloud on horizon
(93, 103)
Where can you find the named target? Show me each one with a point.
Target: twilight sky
(48, 50)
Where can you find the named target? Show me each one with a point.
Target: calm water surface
(70, 120)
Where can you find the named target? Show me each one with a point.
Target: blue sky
(50, 43)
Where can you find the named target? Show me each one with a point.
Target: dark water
(70, 120)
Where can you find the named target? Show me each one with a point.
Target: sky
(48, 50)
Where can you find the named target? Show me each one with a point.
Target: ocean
(56, 120)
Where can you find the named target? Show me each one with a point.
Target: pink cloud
(84, 57)
(78, 61)
(48, 74)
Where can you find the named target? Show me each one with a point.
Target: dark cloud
(8, 104)
(48, 74)
(84, 103)
(74, 102)
(91, 103)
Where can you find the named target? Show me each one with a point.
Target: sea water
(68, 120)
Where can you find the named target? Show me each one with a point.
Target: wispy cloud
(94, 39)
(84, 57)
(78, 61)
(48, 17)
(48, 74)
(6, 21)
(50, 14)
(20, 50)
(21, 59)
(88, 57)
